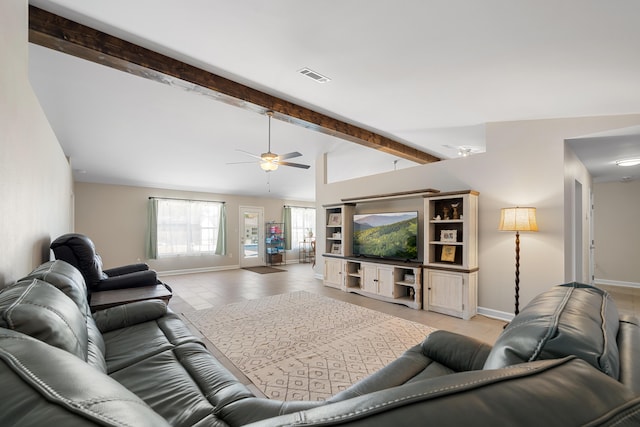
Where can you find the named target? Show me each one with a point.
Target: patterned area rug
(303, 346)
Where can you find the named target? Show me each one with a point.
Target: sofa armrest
(131, 280)
(441, 353)
(410, 365)
(125, 269)
(629, 347)
(457, 352)
(125, 315)
(559, 392)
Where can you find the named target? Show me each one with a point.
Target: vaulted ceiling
(418, 79)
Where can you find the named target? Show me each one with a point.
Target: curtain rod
(186, 200)
(300, 207)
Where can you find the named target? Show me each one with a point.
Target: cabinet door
(445, 292)
(370, 278)
(386, 285)
(333, 272)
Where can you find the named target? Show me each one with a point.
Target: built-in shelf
(451, 253)
(447, 282)
(384, 280)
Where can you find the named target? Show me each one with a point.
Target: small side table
(307, 251)
(106, 299)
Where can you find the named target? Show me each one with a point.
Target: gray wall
(35, 177)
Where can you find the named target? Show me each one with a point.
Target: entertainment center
(377, 253)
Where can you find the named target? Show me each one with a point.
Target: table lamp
(518, 219)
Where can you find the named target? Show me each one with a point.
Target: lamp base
(517, 309)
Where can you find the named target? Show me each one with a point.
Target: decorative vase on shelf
(455, 214)
(445, 212)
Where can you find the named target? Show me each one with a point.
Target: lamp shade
(518, 219)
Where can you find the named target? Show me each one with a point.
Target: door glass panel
(251, 235)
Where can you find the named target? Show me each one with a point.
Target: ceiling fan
(270, 161)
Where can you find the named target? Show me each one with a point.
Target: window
(187, 227)
(303, 223)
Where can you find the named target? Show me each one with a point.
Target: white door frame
(592, 242)
(251, 261)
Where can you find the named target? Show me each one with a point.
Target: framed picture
(450, 236)
(448, 253)
(335, 219)
(336, 248)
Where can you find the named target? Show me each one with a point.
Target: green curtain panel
(286, 219)
(221, 246)
(151, 244)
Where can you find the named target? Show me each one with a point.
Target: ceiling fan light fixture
(268, 166)
(628, 162)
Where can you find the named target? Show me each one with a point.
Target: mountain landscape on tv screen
(386, 235)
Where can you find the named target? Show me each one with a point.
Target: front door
(251, 234)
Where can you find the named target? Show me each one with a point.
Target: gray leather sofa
(568, 359)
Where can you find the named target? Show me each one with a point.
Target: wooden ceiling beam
(61, 34)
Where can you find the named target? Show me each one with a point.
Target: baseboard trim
(616, 283)
(496, 314)
(197, 270)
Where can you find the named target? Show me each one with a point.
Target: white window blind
(303, 222)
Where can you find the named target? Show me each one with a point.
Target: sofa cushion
(570, 319)
(185, 384)
(125, 315)
(42, 311)
(65, 277)
(42, 385)
(128, 346)
(69, 280)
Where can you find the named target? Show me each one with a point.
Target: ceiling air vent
(314, 75)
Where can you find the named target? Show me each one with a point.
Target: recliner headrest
(79, 251)
(570, 319)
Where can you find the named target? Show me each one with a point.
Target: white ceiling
(429, 73)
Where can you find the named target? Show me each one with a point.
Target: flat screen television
(392, 235)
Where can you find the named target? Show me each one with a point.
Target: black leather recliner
(79, 251)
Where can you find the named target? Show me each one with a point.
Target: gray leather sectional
(568, 359)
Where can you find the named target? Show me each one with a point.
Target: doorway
(251, 235)
(578, 223)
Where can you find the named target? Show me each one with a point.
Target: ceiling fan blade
(289, 155)
(238, 163)
(295, 165)
(249, 154)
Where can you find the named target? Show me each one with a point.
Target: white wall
(617, 233)
(35, 177)
(524, 165)
(115, 218)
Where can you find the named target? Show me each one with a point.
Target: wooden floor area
(203, 290)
